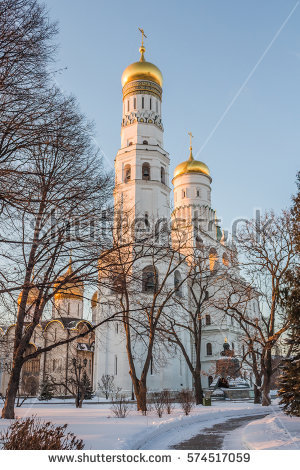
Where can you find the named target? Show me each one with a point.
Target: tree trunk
(8, 411)
(198, 389)
(257, 394)
(266, 400)
(141, 396)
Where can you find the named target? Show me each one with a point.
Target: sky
(231, 73)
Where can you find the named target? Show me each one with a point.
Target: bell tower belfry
(142, 165)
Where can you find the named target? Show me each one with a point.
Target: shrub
(158, 403)
(34, 434)
(120, 407)
(169, 405)
(186, 400)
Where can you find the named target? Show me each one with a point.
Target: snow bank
(97, 426)
(272, 432)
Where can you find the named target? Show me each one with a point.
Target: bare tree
(146, 266)
(267, 253)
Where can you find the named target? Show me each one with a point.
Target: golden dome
(142, 70)
(32, 296)
(72, 289)
(191, 166)
(94, 301)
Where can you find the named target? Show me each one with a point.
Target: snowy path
(213, 437)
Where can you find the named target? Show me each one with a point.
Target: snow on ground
(97, 426)
(276, 431)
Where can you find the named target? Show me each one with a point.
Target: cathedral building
(142, 196)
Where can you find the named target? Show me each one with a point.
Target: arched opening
(225, 259)
(146, 171)
(146, 219)
(149, 279)
(208, 349)
(127, 173)
(145, 142)
(162, 175)
(177, 283)
(213, 260)
(199, 242)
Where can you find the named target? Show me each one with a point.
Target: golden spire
(142, 48)
(191, 147)
(70, 270)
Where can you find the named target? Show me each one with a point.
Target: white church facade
(142, 192)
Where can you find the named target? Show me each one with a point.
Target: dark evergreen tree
(47, 390)
(87, 386)
(290, 378)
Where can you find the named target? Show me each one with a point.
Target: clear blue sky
(205, 50)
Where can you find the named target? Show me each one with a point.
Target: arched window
(207, 320)
(177, 282)
(146, 171)
(145, 142)
(162, 175)
(149, 279)
(213, 260)
(127, 173)
(143, 102)
(225, 259)
(199, 242)
(146, 218)
(210, 380)
(208, 349)
(198, 192)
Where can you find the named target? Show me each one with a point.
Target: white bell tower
(142, 165)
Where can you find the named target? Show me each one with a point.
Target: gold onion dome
(142, 70)
(70, 289)
(191, 166)
(32, 296)
(94, 300)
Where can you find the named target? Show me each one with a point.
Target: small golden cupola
(142, 70)
(191, 165)
(70, 288)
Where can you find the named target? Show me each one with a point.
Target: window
(177, 282)
(146, 219)
(150, 103)
(134, 103)
(146, 171)
(116, 365)
(206, 297)
(157, 106)
(233, 346)
(210, 380)
(127, 172)
(198, 193)
(117, 328)
(162, 175)
(183, 194)
(213, 260)
(145, 142)
(199, 242)
(149, 279)
(225, 259)
(207, 320)
(208, 349)
(127, 105)
(143, 102)
(151, 366)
